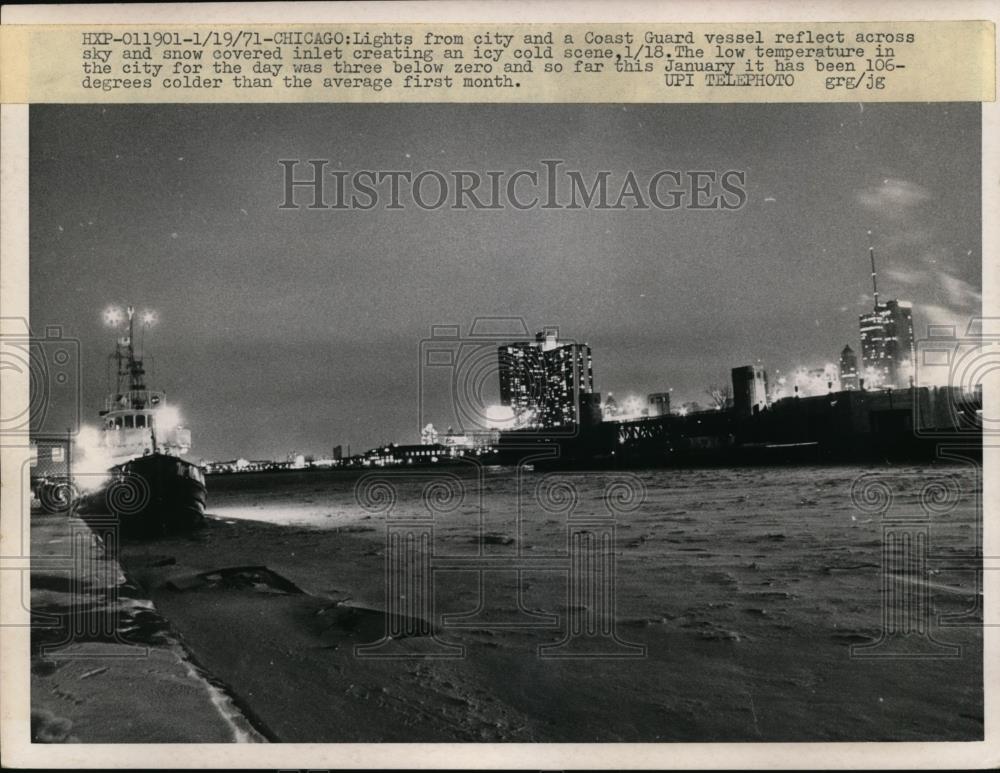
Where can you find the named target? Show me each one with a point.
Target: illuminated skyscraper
(522, 381)
(569, 374)
(888, 351)
(887, 346)
(545, 382)
(848, 369)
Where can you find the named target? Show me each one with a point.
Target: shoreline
(876, 462)
(108, 661)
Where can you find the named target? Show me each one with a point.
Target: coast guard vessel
(150, 486)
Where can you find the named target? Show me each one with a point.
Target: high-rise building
(887, 347)
(544, 381)
(659, 403)
(848, 369)
(569, 374)
(522, 381)
(888, 351)
(749, 389)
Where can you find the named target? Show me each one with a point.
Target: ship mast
(871, 255)
(135, 369)
(131, 374)
(131, 386)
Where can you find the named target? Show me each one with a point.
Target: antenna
(871, 254)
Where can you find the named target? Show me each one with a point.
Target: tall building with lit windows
(569, 374)
(522, 381)
(888, 351)
(545, 382)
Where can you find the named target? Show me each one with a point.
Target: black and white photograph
(504, 424)
(518, 423)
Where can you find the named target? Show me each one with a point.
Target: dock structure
(839, 427)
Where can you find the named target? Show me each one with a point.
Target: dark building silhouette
(749, 389)
(590, 408)
(848, 369)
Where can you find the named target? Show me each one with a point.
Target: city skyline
(320, 346)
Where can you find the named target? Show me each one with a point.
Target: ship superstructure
(136, 421)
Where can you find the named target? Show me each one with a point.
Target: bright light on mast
(113, 316)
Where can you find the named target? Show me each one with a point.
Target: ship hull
(150, 495)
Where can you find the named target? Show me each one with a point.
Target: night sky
(297, 330)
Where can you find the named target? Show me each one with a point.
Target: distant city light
(874, 378)
(813, 382)
(631, 407)
(499, 417)
(526, 418)
(148, 317)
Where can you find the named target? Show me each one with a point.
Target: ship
(150, 488)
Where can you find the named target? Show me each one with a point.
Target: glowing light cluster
(874, 377)
(500, 417)
(114, 316)
(808, 382)
(631, 408)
